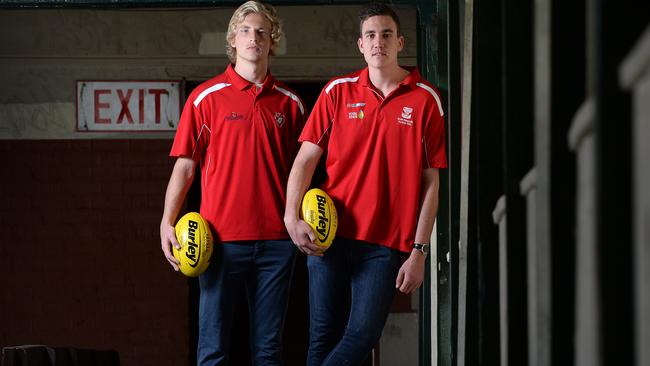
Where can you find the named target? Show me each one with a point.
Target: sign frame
(177, 84)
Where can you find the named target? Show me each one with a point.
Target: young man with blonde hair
(241, 127)
(383, 130)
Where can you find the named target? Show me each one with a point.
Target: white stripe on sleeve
(435, 95)
(292, 96)
(339, 81)
(209, 90)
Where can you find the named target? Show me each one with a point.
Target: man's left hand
(411, 274)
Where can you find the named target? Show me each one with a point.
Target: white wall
(43, 52)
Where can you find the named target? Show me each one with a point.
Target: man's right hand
(301, 173)
(179, 184)
(303, 237)
(167, 239)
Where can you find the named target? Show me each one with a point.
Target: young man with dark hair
(241, 127)
(383, 130)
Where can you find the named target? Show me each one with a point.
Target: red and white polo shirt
(377, 149)
(244, 138)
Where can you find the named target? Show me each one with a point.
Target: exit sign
(126, 106)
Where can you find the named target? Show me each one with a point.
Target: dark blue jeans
(263, 269)
(351, 289)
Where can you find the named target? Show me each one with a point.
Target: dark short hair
(375, 9)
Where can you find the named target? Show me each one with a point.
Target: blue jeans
(263, 269)
(351, 289)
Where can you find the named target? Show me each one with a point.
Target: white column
(466, 122)
(634, 75)
(587, 308)
(433, 253)
(539, 301)
(539, 233)
(499, 218)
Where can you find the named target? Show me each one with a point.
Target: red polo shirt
(244, 138)
(377, 149)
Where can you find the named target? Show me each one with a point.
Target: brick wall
(80, 259)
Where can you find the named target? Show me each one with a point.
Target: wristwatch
(422, 247)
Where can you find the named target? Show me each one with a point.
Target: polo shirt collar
(411, 79)
(240, 83)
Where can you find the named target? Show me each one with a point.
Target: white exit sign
(126, 106)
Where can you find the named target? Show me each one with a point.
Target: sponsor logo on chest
(358, 114)
(234, 116)
(407, 116)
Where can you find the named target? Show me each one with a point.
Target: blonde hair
(241, 13)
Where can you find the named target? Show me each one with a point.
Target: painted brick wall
(80, 259)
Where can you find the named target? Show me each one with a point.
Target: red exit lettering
(124, 97)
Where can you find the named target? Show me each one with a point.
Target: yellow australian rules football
(194, 236)
(318, 211)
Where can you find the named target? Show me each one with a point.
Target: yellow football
(318, 211)
(194, 236)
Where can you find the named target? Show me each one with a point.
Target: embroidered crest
(406, 112)
(279, 119)
(407, 116)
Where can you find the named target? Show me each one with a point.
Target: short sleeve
(434, 139)
(319, 123)
(192, 135)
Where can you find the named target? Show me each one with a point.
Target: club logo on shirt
(279, 119)
(234, 116)
(406, 118)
